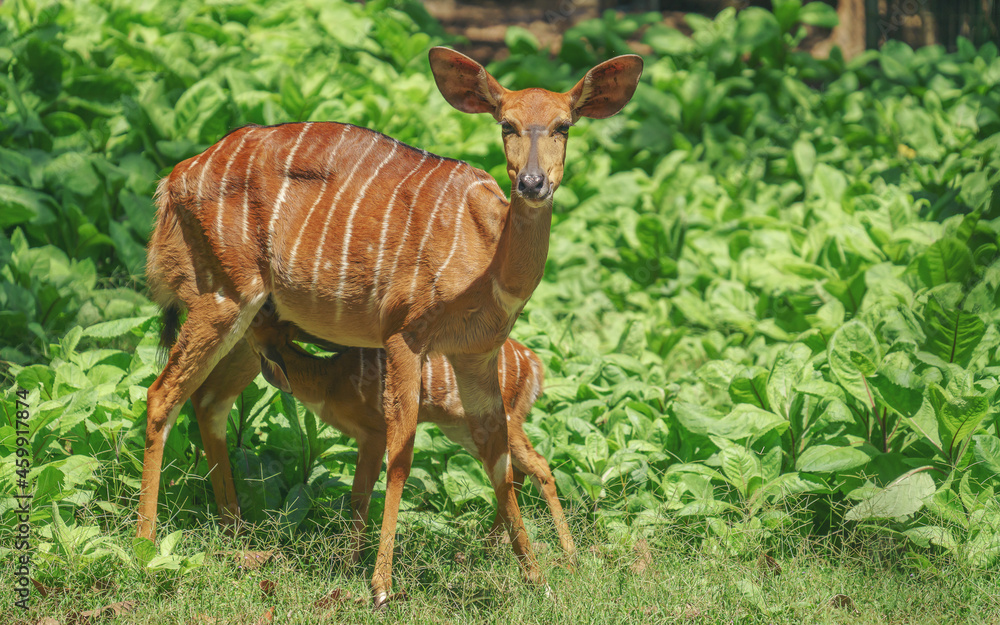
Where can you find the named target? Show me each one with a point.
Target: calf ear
(272, 366)
(607, 88)
(465, 84)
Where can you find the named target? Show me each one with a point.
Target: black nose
(530, 184)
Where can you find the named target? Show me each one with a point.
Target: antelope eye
(563, 129)
(506, 128)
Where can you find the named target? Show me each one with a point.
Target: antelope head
(535, 122)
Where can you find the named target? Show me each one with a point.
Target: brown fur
(345, 391)
(362, 241)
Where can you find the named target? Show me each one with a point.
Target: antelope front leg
(371, 450)
(401, 400)
(497, 526)
(479, 388)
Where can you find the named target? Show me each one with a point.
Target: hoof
(383, 599)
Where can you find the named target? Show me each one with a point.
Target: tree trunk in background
(849, 34)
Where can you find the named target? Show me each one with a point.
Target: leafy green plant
(163, 562)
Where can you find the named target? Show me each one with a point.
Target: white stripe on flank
(349, 227)
(184, 176)
(536, 386)
(427, 233)
(284, 183)
(322, 192)
(503, 367)
(204, 169)
(385, 229)
(246, 192)
(429, 384)
(517, 363)
(333, 209)
(458, 224)
(222, 188)
(413, 207)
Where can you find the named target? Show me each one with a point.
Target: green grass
(451, 574)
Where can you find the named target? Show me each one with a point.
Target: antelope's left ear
(607, 88)
(464, 83)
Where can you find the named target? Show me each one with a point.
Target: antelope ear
(607, 88)
(273, 367)
(465, 84)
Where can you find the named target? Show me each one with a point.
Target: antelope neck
(523, 246)
(304, 369)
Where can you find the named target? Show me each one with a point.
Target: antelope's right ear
(464, 83)
(607, 88)
(272, 366)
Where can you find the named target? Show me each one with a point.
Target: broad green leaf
(169, 542)
(786, 372)
(116, 328)
(805, 159)
(946, 260)
(296, 507)
(984, 549)
(790, 484)
(862, 362)
(853, 337)
(834, 458)
(165, 563)
(987, 451)
(786, 12)
(597, 450)
(755, 27)
(591, 484)
(749, 422)
(898, 500)
(754, 595)
(818, 14)
(144, 550)
(694, 418)
(927, 535)
(201, 108)
(18, 205)
(464, 481)
(898, 389)
(952, 334)
(521, 41)
(957, 417)
(749, 386)
(741, 468)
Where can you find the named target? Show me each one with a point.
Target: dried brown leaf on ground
(332, 598)
(46, 591)
(768, 565)
(265, 618)
(843, 602)
(268, 587)
(107, 611)
(642, 563)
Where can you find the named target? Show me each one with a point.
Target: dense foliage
(770, 307)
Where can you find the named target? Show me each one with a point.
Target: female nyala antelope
(345, 391)
(363, 241)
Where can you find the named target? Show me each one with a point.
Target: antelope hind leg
(212, 326)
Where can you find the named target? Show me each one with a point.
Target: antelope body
(363, 241)
(345, 391)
